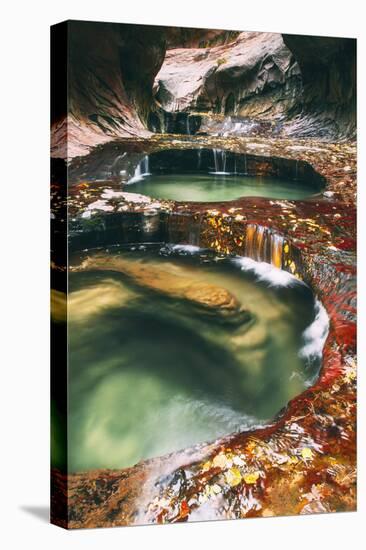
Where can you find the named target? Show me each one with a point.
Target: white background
(24, 455)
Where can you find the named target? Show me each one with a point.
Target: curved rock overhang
(112, 67)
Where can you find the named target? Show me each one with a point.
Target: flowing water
(173, 346)
(218, 186)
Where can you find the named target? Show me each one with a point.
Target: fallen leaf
(251, 477)
(306, 453)
(233, 477)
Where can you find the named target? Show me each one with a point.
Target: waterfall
(250, 242)
(220, 162)
(187, 126)
(199, 154)
(141, 170)
(223, 155)
(145, 166)
(260, 242)
(263, 245)
(245, 165)
(116, 165)
(276, 250)
(215, 160)
(162, 124)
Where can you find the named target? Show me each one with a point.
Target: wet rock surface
(285, 104)
(207, 296)
(328, 99)
(306, 461)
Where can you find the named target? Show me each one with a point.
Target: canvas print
(203, 274)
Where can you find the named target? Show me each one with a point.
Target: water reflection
(169, 350)
(217, 187)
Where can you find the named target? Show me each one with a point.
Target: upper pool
(218, 187)
(213, 175)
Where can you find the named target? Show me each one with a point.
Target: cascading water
(188, 127)
(256, 332)
(199, 156)
(220, 162)
(263, 245)
(209, 175)
(141, 170)
(276, 250)
(231, 126)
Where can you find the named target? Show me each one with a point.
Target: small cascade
(162, 124)
(188, 127)
(260, 242)
(276, 250)
(199, 156)
(245, 165)
(141, 170)
(297, 170)
(263, 245)
(220, 162)
(232, 126)
(216, 160)
(250, 242)
(145, 166)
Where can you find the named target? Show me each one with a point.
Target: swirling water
(173, 347)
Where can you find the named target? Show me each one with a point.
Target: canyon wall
(131, 80)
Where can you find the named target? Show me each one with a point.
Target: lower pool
(171, 346)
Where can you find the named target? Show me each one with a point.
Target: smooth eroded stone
(173, 284)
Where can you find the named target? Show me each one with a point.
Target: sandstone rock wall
(303, 85)
(256, 75)
(328, 68)
(111, 69)
(124, 82)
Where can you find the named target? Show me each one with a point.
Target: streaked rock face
(111, 73)
(243, 77)
(295, 85)
(306, 461)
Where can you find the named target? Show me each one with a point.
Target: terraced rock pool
(171, 346)
(218, 187)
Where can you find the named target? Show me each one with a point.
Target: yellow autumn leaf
(292, 266)
(233, 477)
(206, 466)
(306, 453)
(251, 477)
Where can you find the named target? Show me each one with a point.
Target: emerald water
(218, 187)
(173, 346)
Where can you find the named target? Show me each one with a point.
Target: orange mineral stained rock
(120, 78)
